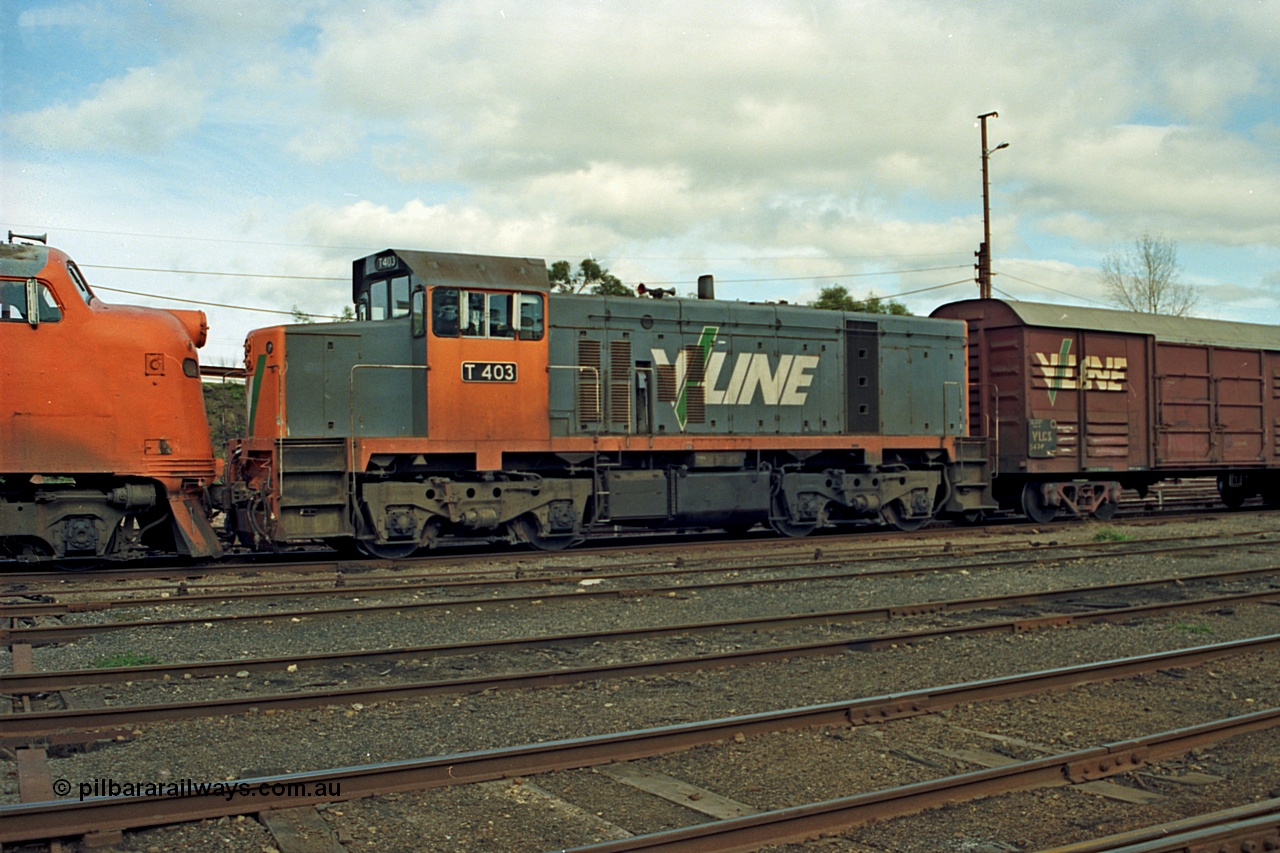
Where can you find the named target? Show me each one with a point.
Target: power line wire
(825, 277)
(212, 272)
(689, 258)
(1054, 289)
(209, 304)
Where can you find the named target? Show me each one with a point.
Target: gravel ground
(257, 744)
(792, 768)
(286, 635)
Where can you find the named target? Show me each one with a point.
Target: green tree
(225, 408)
(564, 279)
(836, 297)
(299, 316)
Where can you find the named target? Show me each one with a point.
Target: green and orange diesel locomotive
(469, 401)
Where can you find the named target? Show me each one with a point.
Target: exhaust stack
(706, 287)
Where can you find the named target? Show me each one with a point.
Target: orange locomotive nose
(195, 322)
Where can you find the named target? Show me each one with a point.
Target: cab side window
(500, 316)
(379, 307)
(477, 314)
(82, 286)
(444, 312)
(47, 306)
(474, 321)
(13, 303)
(400, 296)
(530, 316)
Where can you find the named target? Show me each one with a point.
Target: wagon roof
(1161, 326)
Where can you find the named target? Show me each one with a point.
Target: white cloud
(670, 138)
(137, 113)
(445, 227)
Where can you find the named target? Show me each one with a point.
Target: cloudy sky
(245, 152)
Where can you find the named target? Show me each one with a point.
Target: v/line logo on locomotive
(783, 385)
(1059, 371)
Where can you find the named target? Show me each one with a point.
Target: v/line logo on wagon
(1061, 372)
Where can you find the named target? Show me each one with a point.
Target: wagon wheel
(1233, 496)
(528, 530)
(387, 550)
(1035, 507)
(1106, 510)
(895, 513)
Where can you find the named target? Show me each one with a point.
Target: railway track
(28, 683)
(480, 676)
(1166, 502)
(34, 604)
(96, 814)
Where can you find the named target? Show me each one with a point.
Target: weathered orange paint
(493, 411)
(102, 390)
(489, 453)
(264, 363)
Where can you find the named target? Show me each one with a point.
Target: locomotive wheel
(1035, 507)
(895, 513)
(79, 564)
(795, 531)
(387, 551)
(527, 529)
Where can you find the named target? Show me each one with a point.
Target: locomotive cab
(104, 445)
(447, 355)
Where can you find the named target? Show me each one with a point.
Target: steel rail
(50, 681)
(273, 562)
(343, 582)
(48, 633)
(808, 821)
(1254, 822)
(27, 822)
(297, 562)
(20, 727)
(31, 609)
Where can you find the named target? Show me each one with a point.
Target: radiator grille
(620, 382)
(589, 381)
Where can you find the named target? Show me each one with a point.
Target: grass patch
(1110, 534)
(1189, 628)
(120, 659)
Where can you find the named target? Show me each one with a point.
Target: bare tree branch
(1143, 276)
